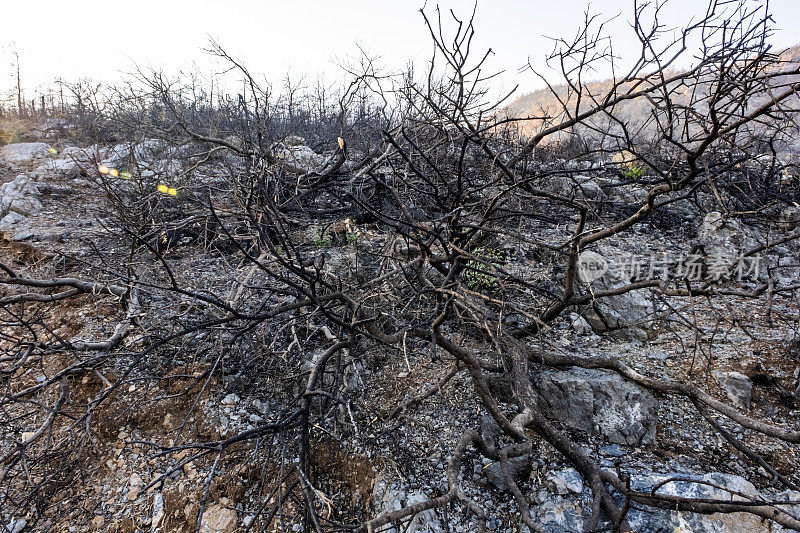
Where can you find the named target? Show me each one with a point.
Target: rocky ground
(54, 218)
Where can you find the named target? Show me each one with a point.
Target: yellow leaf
(102, 169)
(113, 172)
(163, 188)
(172, 191)
(341, 143)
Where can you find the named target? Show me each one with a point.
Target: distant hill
(544, 107)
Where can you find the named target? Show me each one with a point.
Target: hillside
(380, 310)
(636, 113)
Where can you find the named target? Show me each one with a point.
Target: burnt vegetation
(358, 261)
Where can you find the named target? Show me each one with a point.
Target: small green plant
(633, 173)
(352, 237)
(322, 240)
(477, 274)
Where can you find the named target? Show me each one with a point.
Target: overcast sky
(101, 39)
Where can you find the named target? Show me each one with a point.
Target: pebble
(231, 399)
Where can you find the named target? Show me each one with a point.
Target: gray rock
(301, 157)
(294, 140)
(519, 468)
(737, 386)
(158, 510)
(579, 324)
(352, 376)
(789, 218)
(612, 450)
(565, 481)
(576, 186)
(557, 513)
(19, 196)
(652, 520)
(630, 311)
(64, 166)
(219, 518)
(725, 236)
(230, 399)
(10, 220)
(787, 273)
(490, 431)
(122, 154)
(23, 152)
(22, 235)
(588, 187)
(15, 526)
(599, 401)
(591, 266)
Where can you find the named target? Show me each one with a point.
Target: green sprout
(322, 240)
(633, 173)
(352, 237)
(477, 274)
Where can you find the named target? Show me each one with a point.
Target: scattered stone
(588, 187)
(230, 399)
(737, 386)
(389, 495)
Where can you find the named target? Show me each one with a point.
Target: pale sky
(101, 39)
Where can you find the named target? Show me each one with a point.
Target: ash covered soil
(141, 465)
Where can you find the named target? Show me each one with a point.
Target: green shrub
(322, 240)
(478, 275)
(633, 173)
